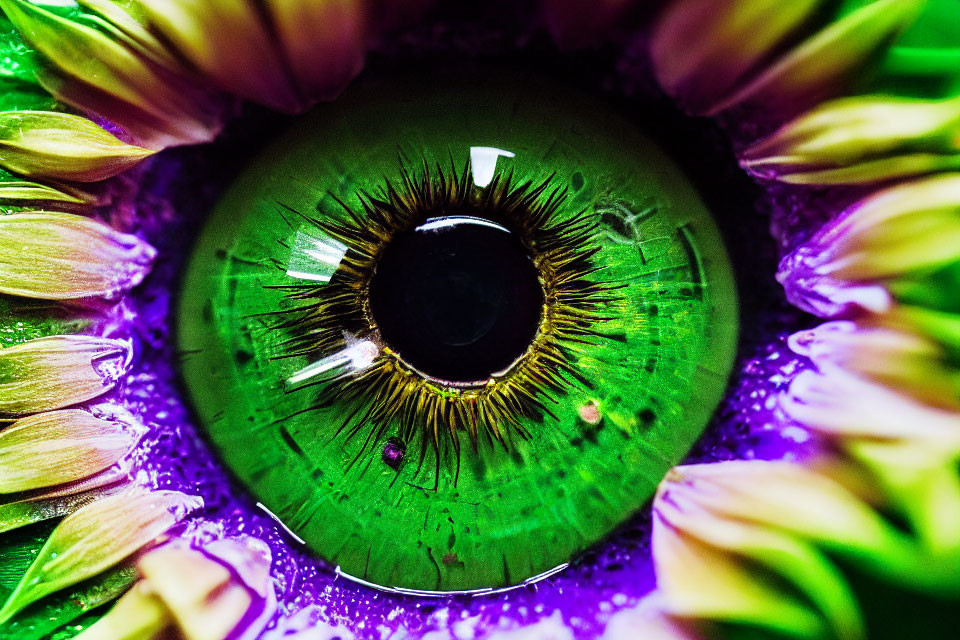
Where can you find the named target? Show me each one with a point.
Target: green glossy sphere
(516, 511)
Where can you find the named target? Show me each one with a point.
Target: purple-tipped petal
(862, 140)
(907, 229)
(93, 71)
(62, 256)
(59, 371)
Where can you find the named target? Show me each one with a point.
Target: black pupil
(458, 298)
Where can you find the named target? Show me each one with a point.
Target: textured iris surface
(165, 204)
(503, 514)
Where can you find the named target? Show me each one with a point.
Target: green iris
(329, 362)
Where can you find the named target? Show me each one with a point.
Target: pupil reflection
(456, 307)
(357, 278)
(458, 298)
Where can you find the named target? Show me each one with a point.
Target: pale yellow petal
(93, 71)
(696, 580)
(63, 146)
(839, 403)
(63, 500)
(703, 50)
(191, 593)
(821, 65)
(872, 171)
(138, 615)
(205, 607)
(125, 22)
(23, 193)
(921, 479)
(62, 256)
(787, 496)
(908, 227)
(53, 448)
(894, 356)
(96, 538)
(861, 139)
(792, 559)
(58, 371)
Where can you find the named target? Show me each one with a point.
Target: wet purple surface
(165, 204)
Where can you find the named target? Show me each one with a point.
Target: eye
(452, 337)
(862, 443)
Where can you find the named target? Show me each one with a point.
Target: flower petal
(870, 171)
(905, 229)
(861, 140)
(788, 497)
(62, 146)
(96, 538)
(838, 403)
(228, 42)
(93, 71)
(126, 22)
(212, 603)
(798, 562)
(941, 326)
(60, 501)
(58, 371)
(875, 349)
(700, 581)
(702, 50)
(323, 42)
(204, 606)
(922, 481)
(202, 596)
(20, 192)
(712, 56)
(58, 447)
(138, 614)
(62, 256)
(820, 66)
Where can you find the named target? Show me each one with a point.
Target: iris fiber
(908, 58)
(508, 510)
(508, 361)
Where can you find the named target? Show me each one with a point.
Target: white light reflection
(315, 257)
(357, 356)
(423, 593)
(282, 524)
(435, 224)
(483, 161)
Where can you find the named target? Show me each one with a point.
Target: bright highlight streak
(282, 524)
(483, 161)
(357, 356)
(315, 258)
(434, 224)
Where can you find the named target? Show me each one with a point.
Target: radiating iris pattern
(553, 319)
(579, 365)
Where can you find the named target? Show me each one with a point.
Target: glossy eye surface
(437, 323)
(457, 297)
(454, 332)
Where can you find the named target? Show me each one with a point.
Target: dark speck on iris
(393, 452)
